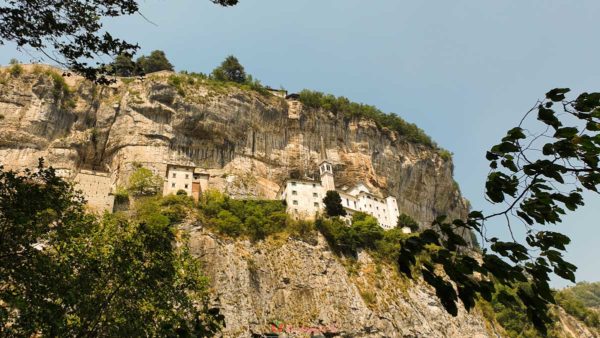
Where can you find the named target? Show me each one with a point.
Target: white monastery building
(304, 198)
(192, 180)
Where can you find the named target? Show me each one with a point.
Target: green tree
(406, 221)
(367, 230)
(123, 65)
(230, 70)
(333, 204)
(143, 182)
(65, 273)
(155, 62)
(79, 24)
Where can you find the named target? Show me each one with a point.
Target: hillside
(586, 293)
(249, 141)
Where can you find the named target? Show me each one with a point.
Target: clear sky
(464, 71)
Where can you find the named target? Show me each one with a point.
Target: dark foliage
(72, 30)
(537, 188)
(333, 204)
(406, 221)
(230, 70)
(66, 273)
(155, 62)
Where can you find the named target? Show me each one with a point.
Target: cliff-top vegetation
(353, 110)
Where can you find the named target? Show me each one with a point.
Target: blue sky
(464, 71)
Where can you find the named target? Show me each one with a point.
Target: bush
(15, 70)
(341, 238)
(230, 70)
(143, 182)
(255, 219)
(121, 195)
(406, 221)
(156, 61)
(367, 230)
(351, 110)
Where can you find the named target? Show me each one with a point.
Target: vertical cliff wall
(243, 137)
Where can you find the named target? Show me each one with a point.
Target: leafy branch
(528, 173)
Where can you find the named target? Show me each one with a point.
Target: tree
(537, 177)
(71, 30)
(367, 229)
(64, 273)
(155, 62)
(406, 221)
(333, 204)
(143, 182)
(230, 70)
(123, 65)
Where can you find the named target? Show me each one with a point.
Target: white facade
(304, 199)
(189, 179)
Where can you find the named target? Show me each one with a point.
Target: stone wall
(97, 189)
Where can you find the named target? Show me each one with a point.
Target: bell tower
(326, 171)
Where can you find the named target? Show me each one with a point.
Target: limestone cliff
(304, 285)
(249, 144)
(244, 138)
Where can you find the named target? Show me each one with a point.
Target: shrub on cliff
(406, 221)
(255, 219)
(155, 62)
(143, 182)
(230, 70)
(352, 110)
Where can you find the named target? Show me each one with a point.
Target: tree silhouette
(537, 176)
(333, 204)
(73, 30)
(155, 62)
(230, 70)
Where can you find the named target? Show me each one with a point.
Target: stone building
(190, 179)
(304, 198)
(97, 189)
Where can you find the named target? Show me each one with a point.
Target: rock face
(300, 286)
(245, 139)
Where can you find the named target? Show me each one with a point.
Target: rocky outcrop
(230, 130)
(301, 286)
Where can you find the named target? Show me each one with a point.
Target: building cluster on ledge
(304, 199)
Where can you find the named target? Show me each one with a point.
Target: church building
(304, 198)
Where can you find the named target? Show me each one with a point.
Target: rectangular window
(172, 185)
(293, 184)
(295, 202)
(315, 194)
(174, 175)
(294, 192)
(187, 176)
(316, 205)
(314, 185)
(186, 186)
